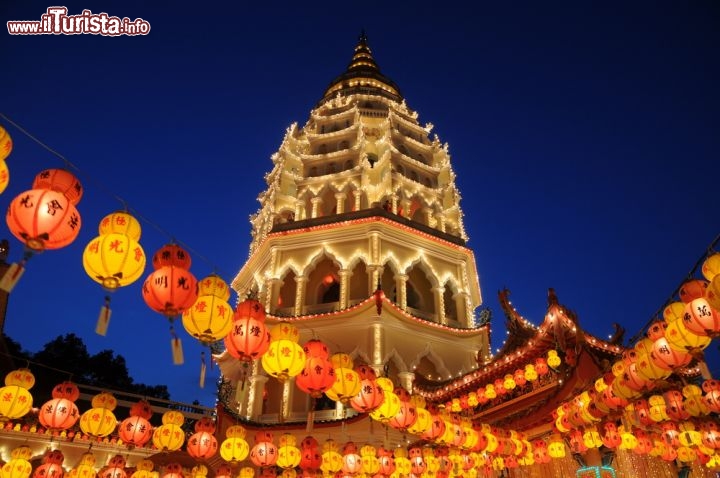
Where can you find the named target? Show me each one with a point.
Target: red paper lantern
(202, 445)
(317, 376)
(700, 318)
(264, 454)
(171, 255)
(43, 219)
(135, 430)
(67, 390)
(249, 337)
(316, 348)
(141, 408)
(667, 357)
(58, 414)
(60, 180)
(170, 290)
(370, 396)
(692, 289)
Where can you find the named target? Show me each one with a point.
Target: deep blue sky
(584, 135)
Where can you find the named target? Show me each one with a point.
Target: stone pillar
(299, 210)
(405, 204)
(340, 202)
(429, 219)
(374, 272)
(440, 218)
(300, 282)
(377, 350)
(394, 202)
(272, 291)
(462, 305)
(287, 398)
(358, 198)
(401, 288)
(439, 305)
(315, 207)
(255, 397)
(344, 287)
(406, 380)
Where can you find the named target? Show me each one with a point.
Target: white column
(405, 203)
(315, 206)
(255, 399)
(401, 290)
(377, 351)
(358, 197)
(300, 282)
(344, 287)
(340, 202)
(439, 305)
(406, 380)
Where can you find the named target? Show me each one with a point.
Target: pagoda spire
(363, 71)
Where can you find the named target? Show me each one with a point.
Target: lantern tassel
(176, 346)
(311, 416)
(12, 276)
(104, 318)
(203, 369)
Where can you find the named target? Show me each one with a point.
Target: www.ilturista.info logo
(57, 22)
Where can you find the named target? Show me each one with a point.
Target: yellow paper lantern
(4, 175)
(710, 267)
(100, 420)
(6, 144)
(18, 466)
(388, 409)
(283, 359)
(114, 260)
(680, 338)
(169, 436)
(288, 454)
(120, 222)
(15, 398)
(209, 319)
(234, 450)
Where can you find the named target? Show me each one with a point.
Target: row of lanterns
(45, 217)
(687, 328)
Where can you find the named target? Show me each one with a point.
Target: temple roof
(362, 76)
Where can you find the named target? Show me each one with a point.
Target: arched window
(344, 145)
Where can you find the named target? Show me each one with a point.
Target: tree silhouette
(66, 358)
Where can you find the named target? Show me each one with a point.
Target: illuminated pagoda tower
(362, 198)
(359, 242)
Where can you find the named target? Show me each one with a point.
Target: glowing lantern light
(347, 381)
(249, 337)
(284, 358)
(422, 423)
(318, 374)
(436, 428)
(674, 311)
(310, 458)
(59, 180)
(553, 360)
(691, 290)
(387, 462)
(406, 414)
(52, 465)
(710, 267)
(100, 421)
(288, 454)
(264, 453)
(18, 466)
(680, 338)
(59, 413)
(712, 294)
(16, 398)
(115, 468)
(114, 259)
(86, 467)
(700, 318)
(210, 318)
(173, 470)
(170, 436)
(203, 444)
(43, 219)
(234, 448)
(4, 175)
(170, 290)
(331, 459)
(6, 144)
(667, 357)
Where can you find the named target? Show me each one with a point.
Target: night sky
(584, 135)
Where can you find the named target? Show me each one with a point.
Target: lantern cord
(203, 368)
(106, 190)
(710, 249)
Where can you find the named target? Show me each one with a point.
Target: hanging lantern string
(710, 250)
(106, 190)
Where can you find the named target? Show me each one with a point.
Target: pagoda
(361, 199)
